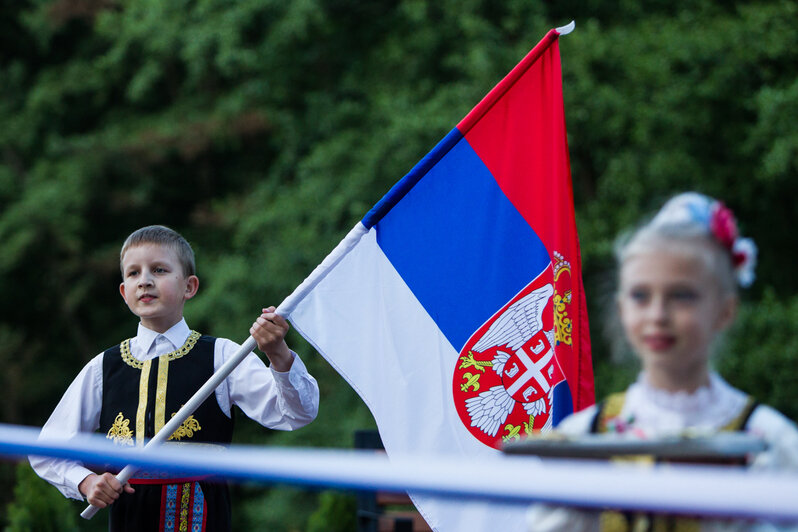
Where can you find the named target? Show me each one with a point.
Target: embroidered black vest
(139, 398)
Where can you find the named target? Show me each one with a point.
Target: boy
(130, 391)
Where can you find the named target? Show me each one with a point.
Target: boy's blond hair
(162, 236)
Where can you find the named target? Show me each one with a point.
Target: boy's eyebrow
(159, 262)
(132, 265)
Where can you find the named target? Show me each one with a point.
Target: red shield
(502, 386)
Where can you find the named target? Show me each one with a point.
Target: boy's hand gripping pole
(196, 400)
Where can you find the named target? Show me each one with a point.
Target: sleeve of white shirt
(780, 433)
(277, 400)
(77, 412)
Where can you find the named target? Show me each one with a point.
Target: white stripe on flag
(400, 368)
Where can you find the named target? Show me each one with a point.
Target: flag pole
(191, 405)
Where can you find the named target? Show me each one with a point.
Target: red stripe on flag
(503, 86)
(523, 143)
(518, 131)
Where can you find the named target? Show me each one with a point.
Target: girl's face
(672, 308)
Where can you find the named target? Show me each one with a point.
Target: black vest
(141, 397)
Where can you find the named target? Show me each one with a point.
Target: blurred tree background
(263, 130)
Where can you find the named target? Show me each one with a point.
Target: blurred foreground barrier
(680, 489)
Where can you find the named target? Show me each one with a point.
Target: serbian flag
(455, 308)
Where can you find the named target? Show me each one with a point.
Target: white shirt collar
(709, 407)
(144, 342)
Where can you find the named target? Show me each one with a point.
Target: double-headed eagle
(512, 330)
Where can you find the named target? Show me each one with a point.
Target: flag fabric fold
(455, 308)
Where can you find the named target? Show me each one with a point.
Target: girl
(677, 293)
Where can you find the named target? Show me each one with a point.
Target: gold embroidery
(160, 393)
(120, 432)
(160, 397)
(174, 355)
(610, 410)
(612, 521)
(141, 413)
(186, 429)
(184, 500)
(738, 423)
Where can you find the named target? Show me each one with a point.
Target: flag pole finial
(565, 30)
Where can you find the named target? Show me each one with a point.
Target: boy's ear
(192, 285)
(122, 290)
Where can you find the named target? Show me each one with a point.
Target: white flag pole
(191, 405)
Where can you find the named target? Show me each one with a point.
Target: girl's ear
(192, 285)
(618, 306)
(728, 312)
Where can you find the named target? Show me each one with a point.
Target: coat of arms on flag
(506, 374)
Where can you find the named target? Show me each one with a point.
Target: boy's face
(154, 285)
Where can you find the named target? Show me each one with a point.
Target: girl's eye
(638, 296)
(685, 295)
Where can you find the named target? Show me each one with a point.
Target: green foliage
(36, 506)
(263, 130)
(761, 353)
(337, 512)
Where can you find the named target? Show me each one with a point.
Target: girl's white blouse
(655, 412)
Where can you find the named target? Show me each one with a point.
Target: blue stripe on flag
(404, 185)
(458, 242)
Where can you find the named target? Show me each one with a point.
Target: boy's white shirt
(277, 400)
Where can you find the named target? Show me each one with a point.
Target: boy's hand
(102, 490)
(269, 331)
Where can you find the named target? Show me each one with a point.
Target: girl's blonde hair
(694, 222)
